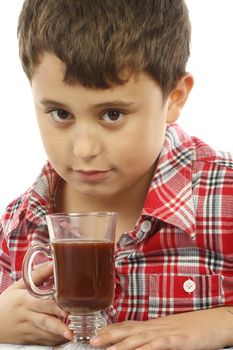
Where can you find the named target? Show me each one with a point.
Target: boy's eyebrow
(115, 103)
(47, 103)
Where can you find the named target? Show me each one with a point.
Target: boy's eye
(112, 116)
(60, 115)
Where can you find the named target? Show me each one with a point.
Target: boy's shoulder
(192, 150)
(32, 205)
(204, 153)
(190, 163)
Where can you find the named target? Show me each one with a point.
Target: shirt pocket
(169, 294)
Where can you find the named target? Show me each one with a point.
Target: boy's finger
(45, 306)
(51, 324)
(39, 275)
(42, 273)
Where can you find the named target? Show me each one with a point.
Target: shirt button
(189, 286)
(146, 226)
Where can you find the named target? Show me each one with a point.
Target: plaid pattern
(184, 236)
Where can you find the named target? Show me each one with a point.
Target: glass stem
(86, 326)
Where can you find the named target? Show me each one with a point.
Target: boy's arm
(209, 329)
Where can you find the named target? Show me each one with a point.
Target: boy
(109, 81)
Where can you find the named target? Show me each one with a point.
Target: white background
(208, 113)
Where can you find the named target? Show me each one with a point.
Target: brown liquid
(84, 277)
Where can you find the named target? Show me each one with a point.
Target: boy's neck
(127, 204)
(69, 200)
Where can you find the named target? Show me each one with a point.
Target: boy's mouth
(92, 175)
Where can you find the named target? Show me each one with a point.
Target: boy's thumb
(39, 275)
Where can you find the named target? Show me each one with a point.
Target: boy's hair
(101, 40)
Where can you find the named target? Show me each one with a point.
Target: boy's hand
(25, 319)
(200, 330)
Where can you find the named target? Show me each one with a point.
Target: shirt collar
(170, 197)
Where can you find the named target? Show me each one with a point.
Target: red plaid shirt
(180, 255)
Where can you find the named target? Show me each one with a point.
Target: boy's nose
(86, 144)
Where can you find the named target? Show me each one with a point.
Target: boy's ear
(178, 97)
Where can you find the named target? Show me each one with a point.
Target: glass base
(82, 345)
(84, 327)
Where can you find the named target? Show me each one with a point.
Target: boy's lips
(92, 175)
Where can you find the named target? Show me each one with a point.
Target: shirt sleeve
(5, 263)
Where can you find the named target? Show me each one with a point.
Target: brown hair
(99, 39)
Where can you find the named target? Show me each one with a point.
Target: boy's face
(101, 142)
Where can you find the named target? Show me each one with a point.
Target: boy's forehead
(48, 82)
(49, 63)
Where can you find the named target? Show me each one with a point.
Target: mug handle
(27, 270)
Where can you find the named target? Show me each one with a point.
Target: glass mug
(82, 249)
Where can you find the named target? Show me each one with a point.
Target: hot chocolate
(84, 279)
